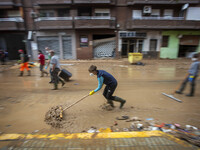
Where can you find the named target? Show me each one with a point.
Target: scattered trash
(115, 123)
(125, 129)
(92, 130)
(189, 127)
(76, 83)
(8, 125)
(134, 119)
(105, 130)
(36, 131)
(122, 118)
(148, 119)
(66, 64)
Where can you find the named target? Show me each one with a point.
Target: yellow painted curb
(141, 134)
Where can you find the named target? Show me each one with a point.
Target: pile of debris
(52, 117)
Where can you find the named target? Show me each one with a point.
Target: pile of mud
(52, 117)
(106, 106)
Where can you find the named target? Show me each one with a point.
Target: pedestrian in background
(55, 68)
(2, 57)
(24, 63)
(104, 77)
(192, 75)
(41, 58)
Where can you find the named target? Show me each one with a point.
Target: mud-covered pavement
(25, 100)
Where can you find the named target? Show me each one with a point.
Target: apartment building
(87, 29)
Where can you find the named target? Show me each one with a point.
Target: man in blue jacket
(192, 75)
(110, 82)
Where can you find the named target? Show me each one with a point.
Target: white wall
(152, 35)
(193, 13)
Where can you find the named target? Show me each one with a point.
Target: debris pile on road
(52, 117)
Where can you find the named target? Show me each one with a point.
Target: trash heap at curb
(189, 133)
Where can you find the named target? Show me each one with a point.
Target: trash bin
(134, 57)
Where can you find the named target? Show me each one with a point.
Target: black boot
(62, 82)
(122, 101)
(111, 103)
(55, 87)
(29, 73)
(21, 74)
(191, 92)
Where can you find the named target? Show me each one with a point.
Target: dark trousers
(54, 75)
(108, 92)
(192, 84)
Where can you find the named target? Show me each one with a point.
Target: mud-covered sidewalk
(25, 100)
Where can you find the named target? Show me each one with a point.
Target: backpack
(26, 58)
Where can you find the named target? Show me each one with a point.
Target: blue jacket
(104, 77)
(194, 68)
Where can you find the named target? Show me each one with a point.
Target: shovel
(63, 109)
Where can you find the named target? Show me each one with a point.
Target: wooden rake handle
(75, 102)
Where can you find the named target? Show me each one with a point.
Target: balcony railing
(11, 24)
(94, 22)
(54, 23)
(132, 2)
(94, 1)
(162, 24)
(10, 3)
(49, 2)
(158, 18)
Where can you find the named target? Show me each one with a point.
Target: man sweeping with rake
(111, 84)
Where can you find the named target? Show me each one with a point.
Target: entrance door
(67, 47)
(51, 42)
(131, 46)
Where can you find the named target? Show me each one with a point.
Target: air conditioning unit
(147, 10)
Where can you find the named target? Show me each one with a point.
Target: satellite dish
(185, 6)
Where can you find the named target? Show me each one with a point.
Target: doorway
(131, 46)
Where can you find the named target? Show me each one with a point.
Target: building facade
(92, 29)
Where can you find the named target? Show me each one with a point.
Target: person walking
(191, 77)
(55, 68)
(104, 77)
(41, 58)
(24, 63)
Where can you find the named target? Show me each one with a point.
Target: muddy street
(25, 100)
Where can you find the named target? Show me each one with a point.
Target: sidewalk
(113, 140)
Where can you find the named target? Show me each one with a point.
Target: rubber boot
(111, 103)
(29, 73)
(63, 83)
(191, 92)
(55, 87)
(42, 74)
(21, 73)
(122, 101)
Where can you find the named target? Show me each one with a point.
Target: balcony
(51, 2)
(93, 22)
(162, 23)
(10, 3)
(11, 24)
(132, 2)
(94, 1)
(45, 23)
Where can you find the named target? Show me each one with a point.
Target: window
(14, 13)
(83, 41)
(165, 40)
(153, 45)
(168, 13)
(63, 13)
(137, 14)
(84, 11)
(47, 13)
(102, 12)
(155, 13)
